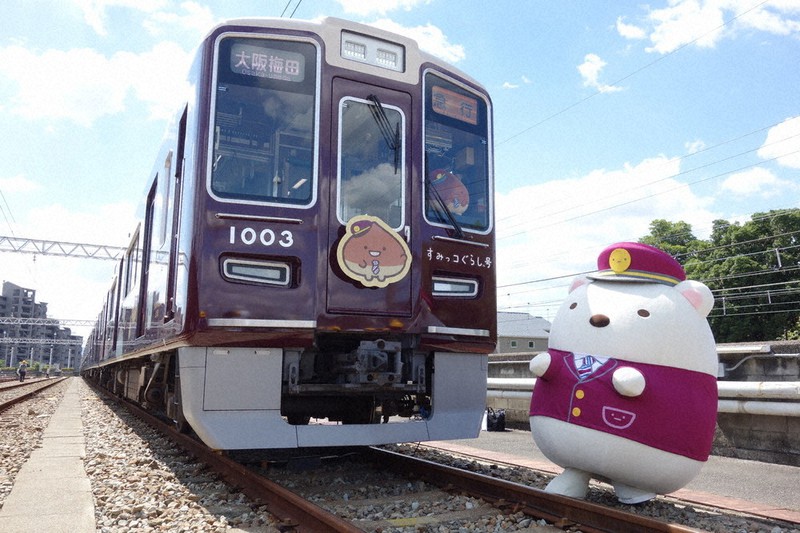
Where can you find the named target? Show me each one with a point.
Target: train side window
(131, 264)
(162, 200)
(371, 164)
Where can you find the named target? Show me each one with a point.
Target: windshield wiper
(442, 208)
(392, 138)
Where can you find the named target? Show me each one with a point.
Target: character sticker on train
(371, 253)
(452, 192)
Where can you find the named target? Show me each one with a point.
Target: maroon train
(314, 263)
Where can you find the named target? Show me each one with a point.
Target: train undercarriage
(372, 383)
(246, 398)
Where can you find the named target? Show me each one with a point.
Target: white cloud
(73, 287)
(695, 146)
(94, 11)
(783, 142)
(777, 21)
(629, 31)
(18, 184)
(510, 85)
(91, 85)
(590, 71)
(193, 17)
(108, 224)
(576, 218)
(755, 181)
(705, 22)
(378, 7)
(158, 77)
(429, 37)
(683, 22)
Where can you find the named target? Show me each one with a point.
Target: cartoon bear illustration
(370, 252)
(627, 390)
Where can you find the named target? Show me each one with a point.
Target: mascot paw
(573, 483)
(540, 364)
(632, 495)
(628, 381)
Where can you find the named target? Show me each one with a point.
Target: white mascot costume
(627, 391)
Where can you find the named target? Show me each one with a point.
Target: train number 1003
(265, 237)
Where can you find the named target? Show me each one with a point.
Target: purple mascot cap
(633, 261)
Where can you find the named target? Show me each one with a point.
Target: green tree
(752, 269)
(675, 238)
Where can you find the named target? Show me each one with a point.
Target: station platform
(762, 489)
(52, 491)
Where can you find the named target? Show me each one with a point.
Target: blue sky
(607, 115)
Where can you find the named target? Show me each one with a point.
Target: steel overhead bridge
(22, 321)
(53, 248)
(60, 248)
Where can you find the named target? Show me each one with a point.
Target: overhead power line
(10, 214)
(572, 205)
(293, 11)
(640, 198)
(630, 75)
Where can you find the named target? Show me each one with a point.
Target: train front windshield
(263, 122)
(458, 188)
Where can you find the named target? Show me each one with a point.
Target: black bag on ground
(495, 420)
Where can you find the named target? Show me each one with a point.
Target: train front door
(370, 260)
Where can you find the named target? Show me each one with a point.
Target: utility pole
(52, 346)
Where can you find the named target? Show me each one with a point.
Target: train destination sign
(261, 62)
(454, 105)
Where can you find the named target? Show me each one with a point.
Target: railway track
(562, 511)
(13, 393)
(334, 493)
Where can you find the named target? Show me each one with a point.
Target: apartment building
(26, 332)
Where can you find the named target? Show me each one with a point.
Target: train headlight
(265, 272)
(455, 287)
(372, 51)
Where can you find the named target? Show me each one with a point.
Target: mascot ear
(579, 282)
(698, 295)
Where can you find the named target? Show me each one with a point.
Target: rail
(35, 389)
(561, 510)
(297, 514)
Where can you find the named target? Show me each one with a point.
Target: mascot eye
(573, 305)
(644, 313)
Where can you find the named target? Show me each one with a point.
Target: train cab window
(457, 173)
(371, 164)
(263, 147)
